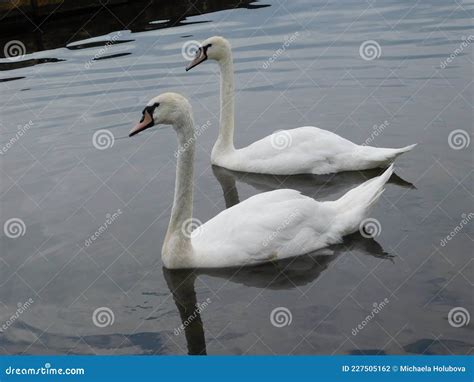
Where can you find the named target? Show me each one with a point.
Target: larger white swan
(302, 150)
(270, 226)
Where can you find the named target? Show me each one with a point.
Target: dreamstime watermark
(281, 139)
(197, 133)
(103, 317)
(466, 41)
(21, 308)
(104, 49)
(22, 130)
(376, 131)
(459, 139)
(370, 228)
(14, 228)
(377, 308)
(273, 235)
(280, 317)
(110, 218)
(458, 317)
(103, 139)
(14, 50)
(45, 370)
(286, 43)
(199, 308)
(466, 219)
(370, 50)
(189, 49)
(189, 228)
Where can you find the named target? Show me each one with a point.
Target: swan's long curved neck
(177, 246)
(225, 140)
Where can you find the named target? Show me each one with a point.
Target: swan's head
(165, 109)
(214, 48)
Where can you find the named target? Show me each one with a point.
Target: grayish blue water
(62, 187)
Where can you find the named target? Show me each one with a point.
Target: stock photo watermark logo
(459, 139)
(370, 228)
(377, 308)
(21, 308)
(189, 49)
(103, 317)
(190, 226)
(22, 130)
(103, 50)
(14, 50)
(103, 139)
(273, 235)
(280, 317)
(466, 41)
(466, 219)
(199, 308)
(370, 50)
(109, 220)
(14, 228)
(197, 133)
(281, 139)
(376, 131)
(458, 317)
(45, 370)
(286, 44)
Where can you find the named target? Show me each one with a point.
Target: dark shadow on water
(425, 346)
(10, 79)
(316, 186)
(300, 270)
(26, 63)
(96, 44)
(69, 22)
(181, 285)
(16, 340)
(111, 56)
(433, 346)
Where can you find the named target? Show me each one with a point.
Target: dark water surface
(64, 189)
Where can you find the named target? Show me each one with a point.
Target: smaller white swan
(304, 150)
(270, 226)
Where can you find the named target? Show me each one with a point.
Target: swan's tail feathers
(382, 157)
(398, 152)
(355, 205)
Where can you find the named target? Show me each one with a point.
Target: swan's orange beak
(200, 57)
(145, 123)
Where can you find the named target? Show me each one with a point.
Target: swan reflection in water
(317, 186)
(281, 275)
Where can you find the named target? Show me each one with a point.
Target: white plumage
(279, 224)
(303, 150)
(309, 150)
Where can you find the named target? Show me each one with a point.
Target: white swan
(302, 150)
(270, 226)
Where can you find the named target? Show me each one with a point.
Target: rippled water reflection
(64, 189)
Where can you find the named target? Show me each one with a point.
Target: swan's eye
(201, 55)
(150, 110)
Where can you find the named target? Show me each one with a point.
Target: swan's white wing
(307, 150)
(269, 226)
(279, 224)
(302, 150)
